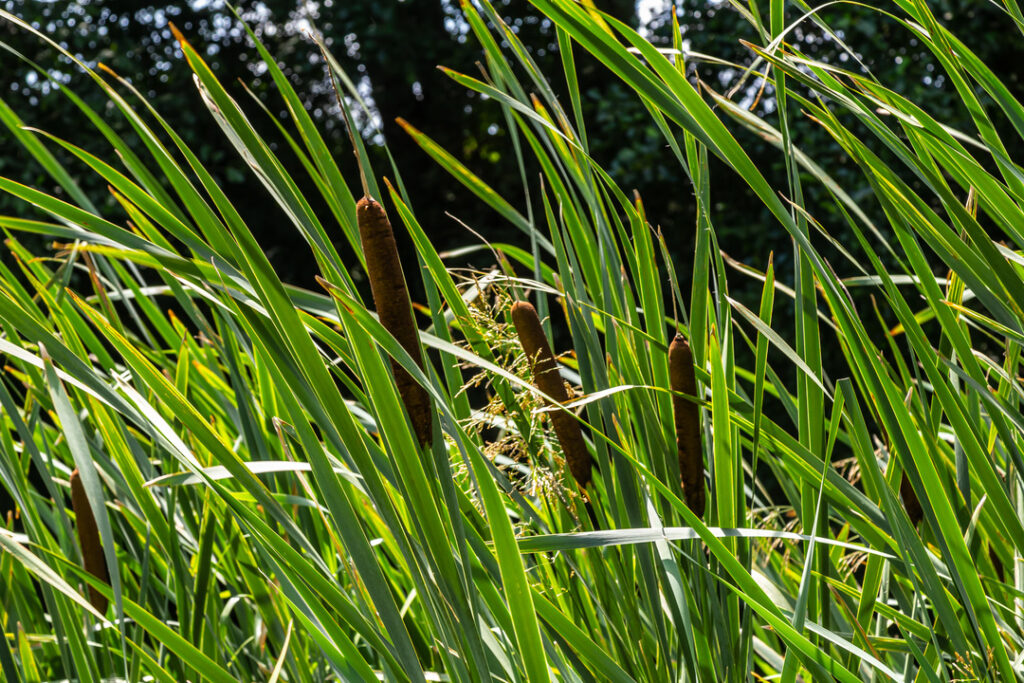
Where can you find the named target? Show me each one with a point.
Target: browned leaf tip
(689, 443)
(391, 299)
(89, 541)
(546, 378)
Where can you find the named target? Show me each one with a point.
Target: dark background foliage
(391, 50)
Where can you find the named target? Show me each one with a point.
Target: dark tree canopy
(391, 50)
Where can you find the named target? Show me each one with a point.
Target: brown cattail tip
(525, 319)
(394, 309)
(682, 379)
(546, 378)
(89, 541)
(368, 203)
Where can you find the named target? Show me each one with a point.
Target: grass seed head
(689, 443)
(548, 380)
(391, 299)
(89, 541)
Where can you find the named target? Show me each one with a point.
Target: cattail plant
(391, 299)
(682, 379)
(546, 378)
(89, 541)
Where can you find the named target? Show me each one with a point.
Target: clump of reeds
(682, 379)
(89, 541)
(546, 378)
(391, 299)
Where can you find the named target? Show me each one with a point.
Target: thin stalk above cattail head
(689, 443)
(546, 378)
(89, 541)
(391, 299)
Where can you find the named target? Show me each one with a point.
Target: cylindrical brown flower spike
(687, 416)
(391, 298)
(89, 541)
(546, 378)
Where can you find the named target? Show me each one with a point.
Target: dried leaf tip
(89, 541)
(547, 379)
(682, 379)
(394, 309)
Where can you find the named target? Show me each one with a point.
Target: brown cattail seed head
(546, 378)
(689, 443)
(391, 299)
(89, 541)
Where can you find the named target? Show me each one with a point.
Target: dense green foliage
(263, 504)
